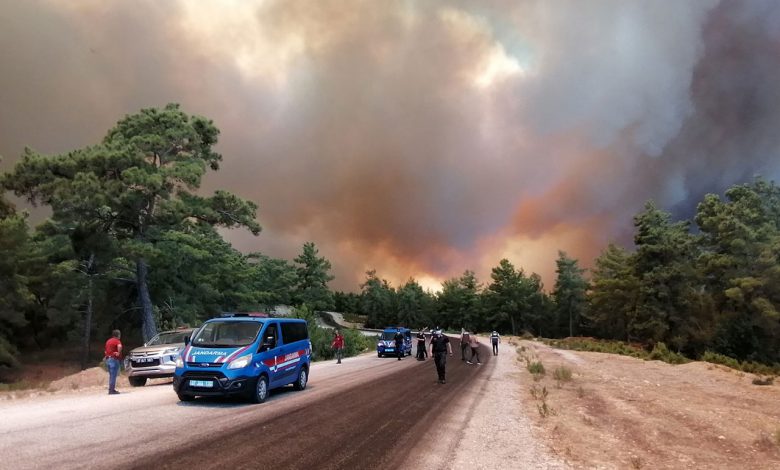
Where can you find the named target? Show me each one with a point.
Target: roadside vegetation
(661, 353)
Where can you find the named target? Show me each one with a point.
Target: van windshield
(227, 334)
(388, 335)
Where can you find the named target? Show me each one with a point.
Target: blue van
(386, 344)
(244, 354)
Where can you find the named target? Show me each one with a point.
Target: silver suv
(156, 358)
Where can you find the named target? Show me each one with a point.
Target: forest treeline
(132, 244)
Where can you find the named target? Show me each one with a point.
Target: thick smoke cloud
(419, 138)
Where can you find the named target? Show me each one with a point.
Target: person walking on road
(464, 343)
(113, 356)
(495, 338)
(422, 352)
(338, 345)
(399, 343)
(440, 347)
(474, 344)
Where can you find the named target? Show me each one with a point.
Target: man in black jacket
(422, 352)
(440, 347)
(399, 343)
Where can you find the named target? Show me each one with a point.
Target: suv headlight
(240, 362)
(170, 351)
(179, 361)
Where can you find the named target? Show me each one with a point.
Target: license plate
(201, 383)
(144, 359)
(389, 349)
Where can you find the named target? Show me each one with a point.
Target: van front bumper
(210, 384)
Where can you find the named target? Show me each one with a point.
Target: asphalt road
(366, 412)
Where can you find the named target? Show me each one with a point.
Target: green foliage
(664, 263)
(132, 189)
(661, 353)
(744, 366)
(596, 345)
(612, 299)
(313, 275)
(569, 293)
(740, 250)
(347, 303)
(415, 308)
(378, 301)
(515, 301)
(536, 368)
(353, 318)
(460, 303)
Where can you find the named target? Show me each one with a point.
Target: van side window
(294, 331)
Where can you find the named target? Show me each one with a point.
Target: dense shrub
(744, 366)
(355, 318)
(595, 345)
(536, 368)
(661, 353)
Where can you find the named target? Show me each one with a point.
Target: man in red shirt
(112, 357)
(338, 345)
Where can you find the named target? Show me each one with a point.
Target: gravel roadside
(486, 426)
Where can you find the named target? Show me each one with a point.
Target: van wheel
(137, 381)
(183, 397)
(303, 379)
(261, 390)
(378, 354)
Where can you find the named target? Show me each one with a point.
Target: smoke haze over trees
(417, 138)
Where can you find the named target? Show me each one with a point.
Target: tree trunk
(88, 315)
(148, 328)
(571, 320)
(514, 331)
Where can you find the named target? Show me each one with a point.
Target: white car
(157, 357)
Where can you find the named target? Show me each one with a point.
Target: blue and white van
(244, 354)
(386, 344)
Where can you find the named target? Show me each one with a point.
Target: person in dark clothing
(440, 347)
(495, 338)
(464, 343)
(399, 344)
(422, 352)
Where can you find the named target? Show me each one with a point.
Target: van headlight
(179, 361)
(240, 362)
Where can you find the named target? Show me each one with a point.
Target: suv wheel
(261, 390)
(303, 378)
(137, 381)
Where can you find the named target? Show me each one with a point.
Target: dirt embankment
(622, 412)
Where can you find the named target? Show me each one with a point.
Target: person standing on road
(422, 351)
(464, 343)
(113, 356)
(338, 345)
(440, 347)
(495, 338)
(474, 344)
(399, 343)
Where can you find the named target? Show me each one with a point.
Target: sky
(419, 138)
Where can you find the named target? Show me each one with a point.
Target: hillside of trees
(132, 244)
